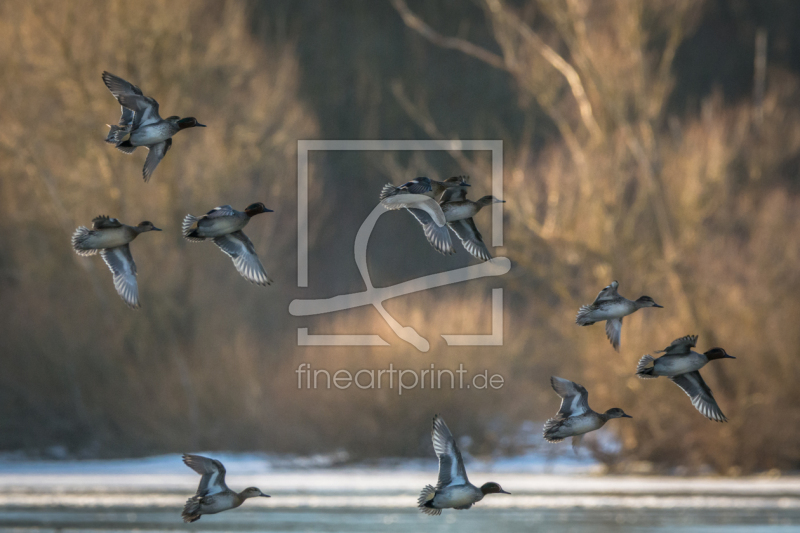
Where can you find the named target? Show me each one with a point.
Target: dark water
(575, 520)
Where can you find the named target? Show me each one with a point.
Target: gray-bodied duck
(612, 307)
(453, 490)
(575, 418)
(213, 495)
(141, 125)
(110, 238)
(223, 225)
(458, 211)
(682, 365)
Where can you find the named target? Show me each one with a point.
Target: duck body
(151, 134)
(455, 497)
(453, 489)
(424, 186)
(220, 221)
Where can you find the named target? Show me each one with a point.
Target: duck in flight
(453, 211)
(612, 307)
(110, 238)
(575, 418)
(213, 495)
(682, 365)
(141, 125)
(223, 225)
(453, 490)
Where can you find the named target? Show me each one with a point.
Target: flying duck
(213, 495)
(575, 418)
(223, 225)
(682, 365)
(611, 307)
(141, 125)
(453, 490)
(110, 238)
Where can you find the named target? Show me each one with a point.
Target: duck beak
(465, 184)
(198, 125)
(728, 357)
(656, 305)
(265, 495)
(156, 229)
(626, 416)
(504, 492)
(268, 210)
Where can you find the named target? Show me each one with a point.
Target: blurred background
(656, 143)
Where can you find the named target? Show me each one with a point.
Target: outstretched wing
(416, 201)
(681, 346)
(451, 465)
(120, 262)
(695, 387)
(154, 157)
(574, 397)
(105, 222)
(614, 331)
(438, 236)
(608, 293)
(130, 96)
(241, 250)
(213, 480)
(471, 238)
(221, 211)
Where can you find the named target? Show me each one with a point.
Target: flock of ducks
(439, 207)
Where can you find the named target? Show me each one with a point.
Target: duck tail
(190, 233)
(642, 370)
(550, 429)
(80, 242)
(425, 501)
(191, 511)
(388, 190)
(583, 316)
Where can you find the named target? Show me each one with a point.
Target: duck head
(253, 492)
(493, 488)
(255, 209)
(487, 200)
(616, 412)
(146, 225)
(646, 301)
(187, 122)
(717, 353)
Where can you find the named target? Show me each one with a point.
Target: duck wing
(574, 397)
(416, 187)
(221, 211)
(454, 194)
(703, 400)
(105, 222)
(416, 201)
(614, 331)
(451, 465)
(608, 293)
(438, 236)
(213, 480)
(130, 96)
(154, 156)
(120, 262)
(471, 238)
(682, 346)
(241, 250)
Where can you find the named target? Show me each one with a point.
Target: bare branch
(552, 57)
(453, 43)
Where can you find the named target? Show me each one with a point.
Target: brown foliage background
(634, 150)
